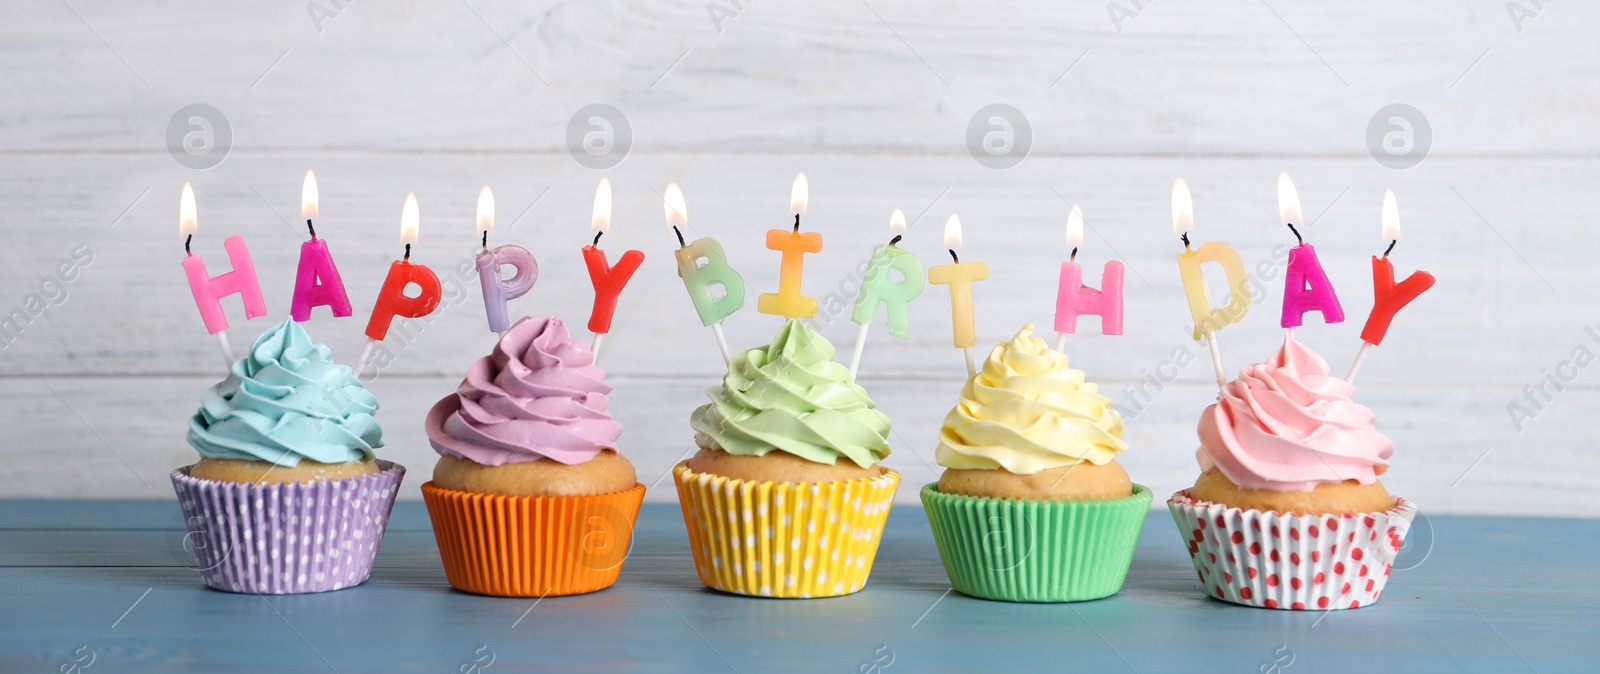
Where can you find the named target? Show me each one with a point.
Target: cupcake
(287, 497)
(530, 497)
(1032, 505)
(786, 497)
(1288, 511)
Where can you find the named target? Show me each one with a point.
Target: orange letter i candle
(794, 245)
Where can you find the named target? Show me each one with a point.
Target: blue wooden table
(106, 586)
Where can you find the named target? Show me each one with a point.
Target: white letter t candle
(959, 276)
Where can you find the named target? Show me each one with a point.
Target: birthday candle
(794, 245)
(1073, 299)
(209, 290)
(317, 281)
(498, 291)
(703, 266)
(608, 281)
(878, 288)
(959, 276)
(1305, 285)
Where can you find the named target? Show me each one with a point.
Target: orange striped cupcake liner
(773, 539)
(532, 546)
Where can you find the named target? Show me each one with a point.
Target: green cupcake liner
(1036, 551)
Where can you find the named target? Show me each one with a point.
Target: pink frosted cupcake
(1288, 511)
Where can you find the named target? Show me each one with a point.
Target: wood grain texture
(1464, 603)
(1232, 77)
(872, 100)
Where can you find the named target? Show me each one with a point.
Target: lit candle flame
(677, 210)
(188, 219)
(1289, 201)
(410, 219)
(308, 197)
(1391, 217)
(601, 220)
(799, 195)
(485, 210)
(1075, 228)
(1182, 208)
(897, 222)
(952, 232)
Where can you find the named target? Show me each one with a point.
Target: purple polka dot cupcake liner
(1288, 561)
(291, 538)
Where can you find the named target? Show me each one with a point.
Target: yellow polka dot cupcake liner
(771, 539)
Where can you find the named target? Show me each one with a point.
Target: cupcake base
(787, 540)
(532, 546)
(1286, 561)
(287, 538)
(1027, 550)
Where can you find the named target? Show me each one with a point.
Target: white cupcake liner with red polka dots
(1287, 561)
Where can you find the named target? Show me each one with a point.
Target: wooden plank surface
(873, 101)
(1466, 600)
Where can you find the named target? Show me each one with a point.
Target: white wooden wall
(872, 100)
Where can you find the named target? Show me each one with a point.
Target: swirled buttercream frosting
(1287, 425)
(285, 401)
(538, 395)
(791, 396)
(1028, 411)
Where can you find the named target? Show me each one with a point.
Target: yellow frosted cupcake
(1033, 505)
(786, 497)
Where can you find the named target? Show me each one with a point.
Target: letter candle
(209, 290)
(498, 290)
(608, 281)
(794, 245)
(959, 276)
(1305, 285)
(877, 288)
(1388, 297)
(392, 299)
(1207, 321)
(317, 281)
(1073, 299)
(704, 266)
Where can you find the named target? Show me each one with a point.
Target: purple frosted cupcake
(287, 497)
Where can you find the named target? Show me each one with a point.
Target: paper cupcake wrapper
(288, 538)
(532, 546)
(771, 539)
(1028, 550)
(1286, 561)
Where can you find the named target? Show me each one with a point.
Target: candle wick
(597, 237)
(895, 240)
(953, 256)
(796, 223)
(1296, 232)
(486, 239)
(1185, 237)
(312, 228)
(1074, 257)
(681, 244)
(408, 252)
(186, 241)
(1390, 248)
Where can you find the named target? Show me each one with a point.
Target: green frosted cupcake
(1033, 505)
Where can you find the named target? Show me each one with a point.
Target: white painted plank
(1233, 77)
